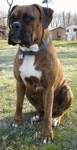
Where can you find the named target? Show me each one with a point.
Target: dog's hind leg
(66, 97)
(56, 121)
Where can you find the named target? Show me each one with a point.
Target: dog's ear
(9, 13)
(46, 15)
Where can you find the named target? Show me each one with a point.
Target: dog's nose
(16, 26)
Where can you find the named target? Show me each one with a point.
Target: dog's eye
(12, 19)
(28, 18)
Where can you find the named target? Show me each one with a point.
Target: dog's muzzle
(15, 32)
(19, 34)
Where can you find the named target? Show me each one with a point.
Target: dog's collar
(24, 51)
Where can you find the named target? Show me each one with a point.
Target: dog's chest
(27, 68)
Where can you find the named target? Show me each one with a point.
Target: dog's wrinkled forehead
(20, 11)
(44, 15)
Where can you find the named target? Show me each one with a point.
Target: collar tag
(21, 56)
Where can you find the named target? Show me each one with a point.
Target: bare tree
(57, 20)
(75, 19)
(10, 5)
(68, 19)
(63, 18)
(46, 2)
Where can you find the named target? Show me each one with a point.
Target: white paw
(44, 141)
(34, 119)
(54, 122)
(15, 125)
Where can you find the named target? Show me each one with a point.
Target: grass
(65, 43)
(27, 137)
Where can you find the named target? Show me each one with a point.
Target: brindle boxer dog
(37, 69)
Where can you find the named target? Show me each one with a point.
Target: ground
(27, 137)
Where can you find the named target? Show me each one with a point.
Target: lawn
(27, 137)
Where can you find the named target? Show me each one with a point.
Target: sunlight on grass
(65, 43)
(4, 45)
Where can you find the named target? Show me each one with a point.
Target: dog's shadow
(24, 134)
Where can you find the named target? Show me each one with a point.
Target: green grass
(65, 43)
(4, 45)
(27, 137)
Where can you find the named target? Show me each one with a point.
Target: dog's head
(27, 23)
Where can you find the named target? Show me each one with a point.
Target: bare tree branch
(10, 5)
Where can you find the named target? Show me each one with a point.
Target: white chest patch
(27, 68)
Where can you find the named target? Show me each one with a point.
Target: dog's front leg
(48, 97)
(20, 89)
